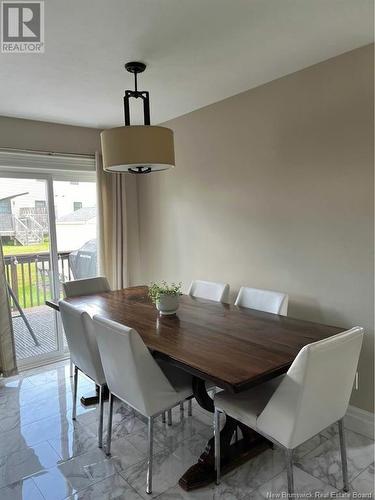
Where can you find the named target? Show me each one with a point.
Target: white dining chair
(290, 409)
(209, 290)
(263, 300)
(86, 286)
(135, 377)
(84, 354)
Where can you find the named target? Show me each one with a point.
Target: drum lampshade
(137, 149)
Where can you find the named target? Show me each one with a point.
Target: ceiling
(197, 51)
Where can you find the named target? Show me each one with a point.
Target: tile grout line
(332, 439)
(36, 486)
(355, 477)
(91, 485)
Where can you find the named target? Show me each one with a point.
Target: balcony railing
(29, 276)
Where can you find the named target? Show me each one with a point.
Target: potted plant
(165, 297)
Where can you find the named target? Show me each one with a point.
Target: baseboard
(360, 421)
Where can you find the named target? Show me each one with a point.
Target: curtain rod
(46, 153)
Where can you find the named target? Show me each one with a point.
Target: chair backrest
(263, 300)
(316, 390)
(86, 286)
(81, 340)
(209, 290)
(131, 372)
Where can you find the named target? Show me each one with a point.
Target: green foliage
(158, 289)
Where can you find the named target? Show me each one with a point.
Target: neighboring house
(24, 212)
(76, 228)
(6, 215)
(33, 193)
(69, 196)
(26, 226)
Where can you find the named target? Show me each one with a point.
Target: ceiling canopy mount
(135, 67)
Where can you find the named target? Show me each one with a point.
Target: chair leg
(182, 409)
(75, 388)
(289, 470)
(101, 411)
(164, 417)
(150, 455)
(190, 407)
(217, 444)
(169, 413)
(71, 369)
(344, 461)
(109, 425)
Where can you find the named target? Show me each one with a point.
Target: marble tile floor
(44, 455)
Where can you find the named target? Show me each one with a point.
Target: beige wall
(274, 188)
(44, 136)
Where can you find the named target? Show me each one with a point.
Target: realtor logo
(22, 27)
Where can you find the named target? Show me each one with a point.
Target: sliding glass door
(48, 233)
(26, 238)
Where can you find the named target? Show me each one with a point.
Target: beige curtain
(112, 226)
(8, 364)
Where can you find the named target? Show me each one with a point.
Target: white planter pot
(167, 304)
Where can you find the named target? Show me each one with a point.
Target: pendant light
(137, 149)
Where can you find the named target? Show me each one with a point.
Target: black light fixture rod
(135, 68)
(126, 109)
(146, 108)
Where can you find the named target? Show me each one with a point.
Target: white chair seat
(248, 405)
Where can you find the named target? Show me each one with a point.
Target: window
(5, 206)
(40, 204)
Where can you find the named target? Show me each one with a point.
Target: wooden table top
(233, 347)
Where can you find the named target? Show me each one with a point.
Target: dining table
(233, 348)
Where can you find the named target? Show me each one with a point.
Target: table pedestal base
(233, 452)
(233, 455)
(93, 398)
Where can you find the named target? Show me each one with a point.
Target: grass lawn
(20, 250)
(28, 293)
(28, 290)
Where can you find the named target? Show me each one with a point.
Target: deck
(42, 320)
(29, 279)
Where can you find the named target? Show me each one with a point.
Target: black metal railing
(29, 276)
